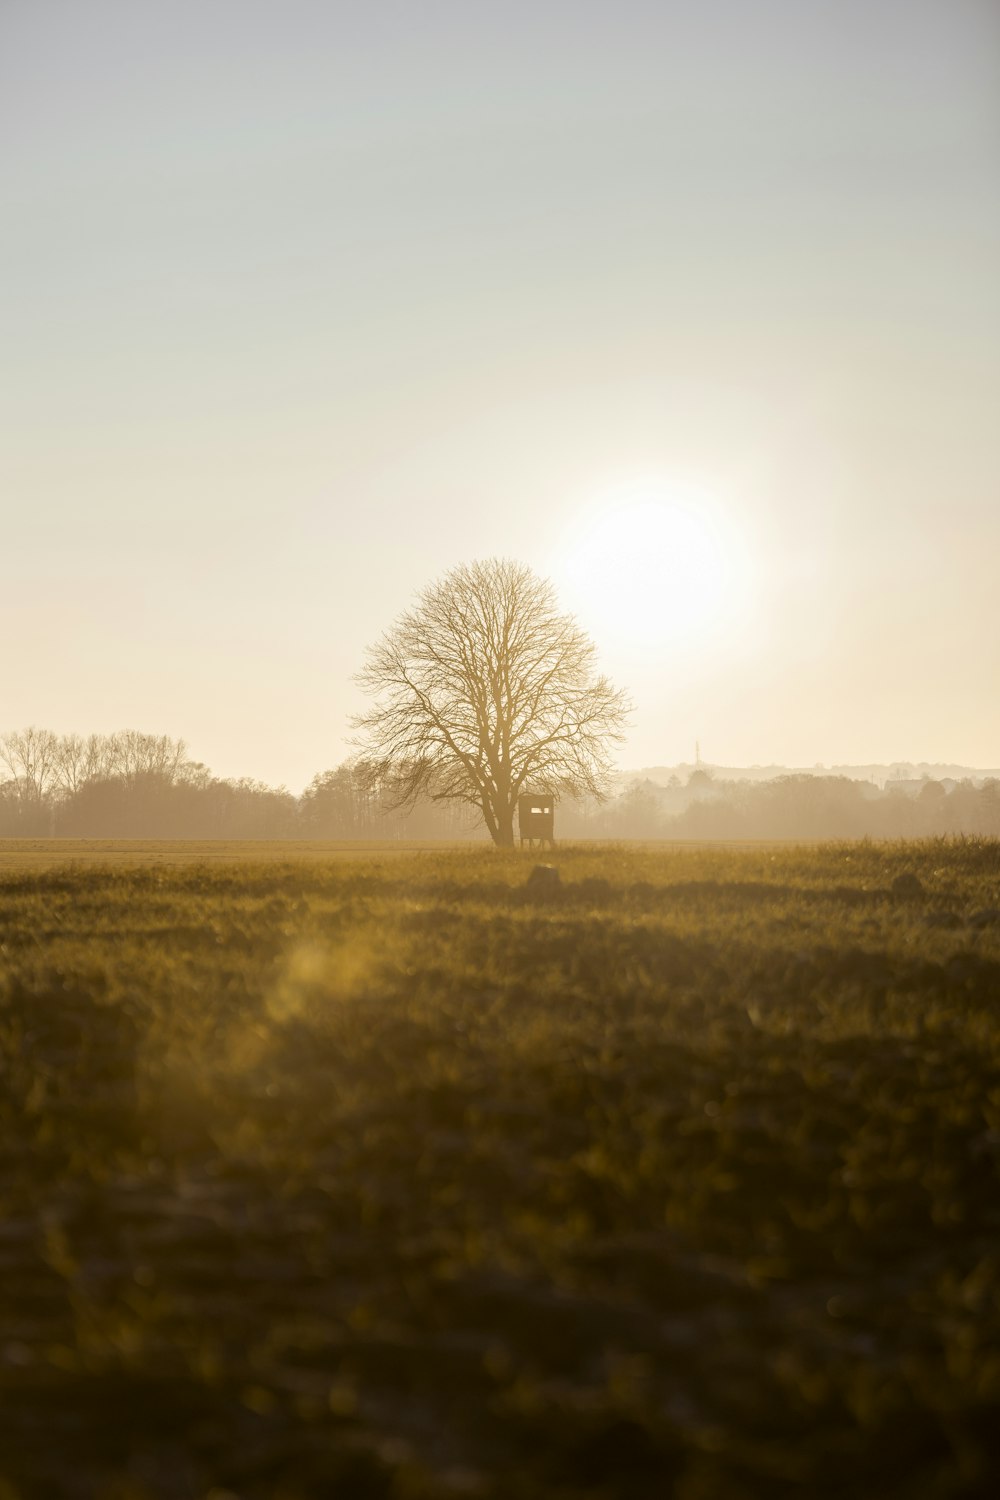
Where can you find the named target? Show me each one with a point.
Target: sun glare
(651, 564)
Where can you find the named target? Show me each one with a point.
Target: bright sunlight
(652, 563)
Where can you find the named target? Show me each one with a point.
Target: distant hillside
(881, 775)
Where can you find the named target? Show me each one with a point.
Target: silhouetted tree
(79, 760)
(135, 755)
(484, 690)
(336, 804)
(30, 757)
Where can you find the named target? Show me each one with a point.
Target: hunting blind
(536, 817)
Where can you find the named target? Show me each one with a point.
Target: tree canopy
(485, 690)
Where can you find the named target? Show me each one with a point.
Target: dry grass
(20, 856)
(383, 1177)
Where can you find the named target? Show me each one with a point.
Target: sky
(693, 308)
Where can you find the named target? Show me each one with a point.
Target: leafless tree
(127, 756)
(70, 763)
(133, 754)
(30, 756)
(485, 690)
(79, 760)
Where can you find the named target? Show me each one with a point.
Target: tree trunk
(504, 836)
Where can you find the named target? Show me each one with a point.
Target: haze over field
(693, 309)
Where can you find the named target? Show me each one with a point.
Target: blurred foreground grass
(379, 1178)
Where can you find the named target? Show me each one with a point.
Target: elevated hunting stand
(536, 818)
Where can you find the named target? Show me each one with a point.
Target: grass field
(368, 1176)
(19, 856)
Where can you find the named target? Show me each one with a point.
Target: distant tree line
(135, 785)
(799, 805)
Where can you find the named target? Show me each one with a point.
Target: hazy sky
(694, 307)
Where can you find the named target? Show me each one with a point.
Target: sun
(653, 564)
